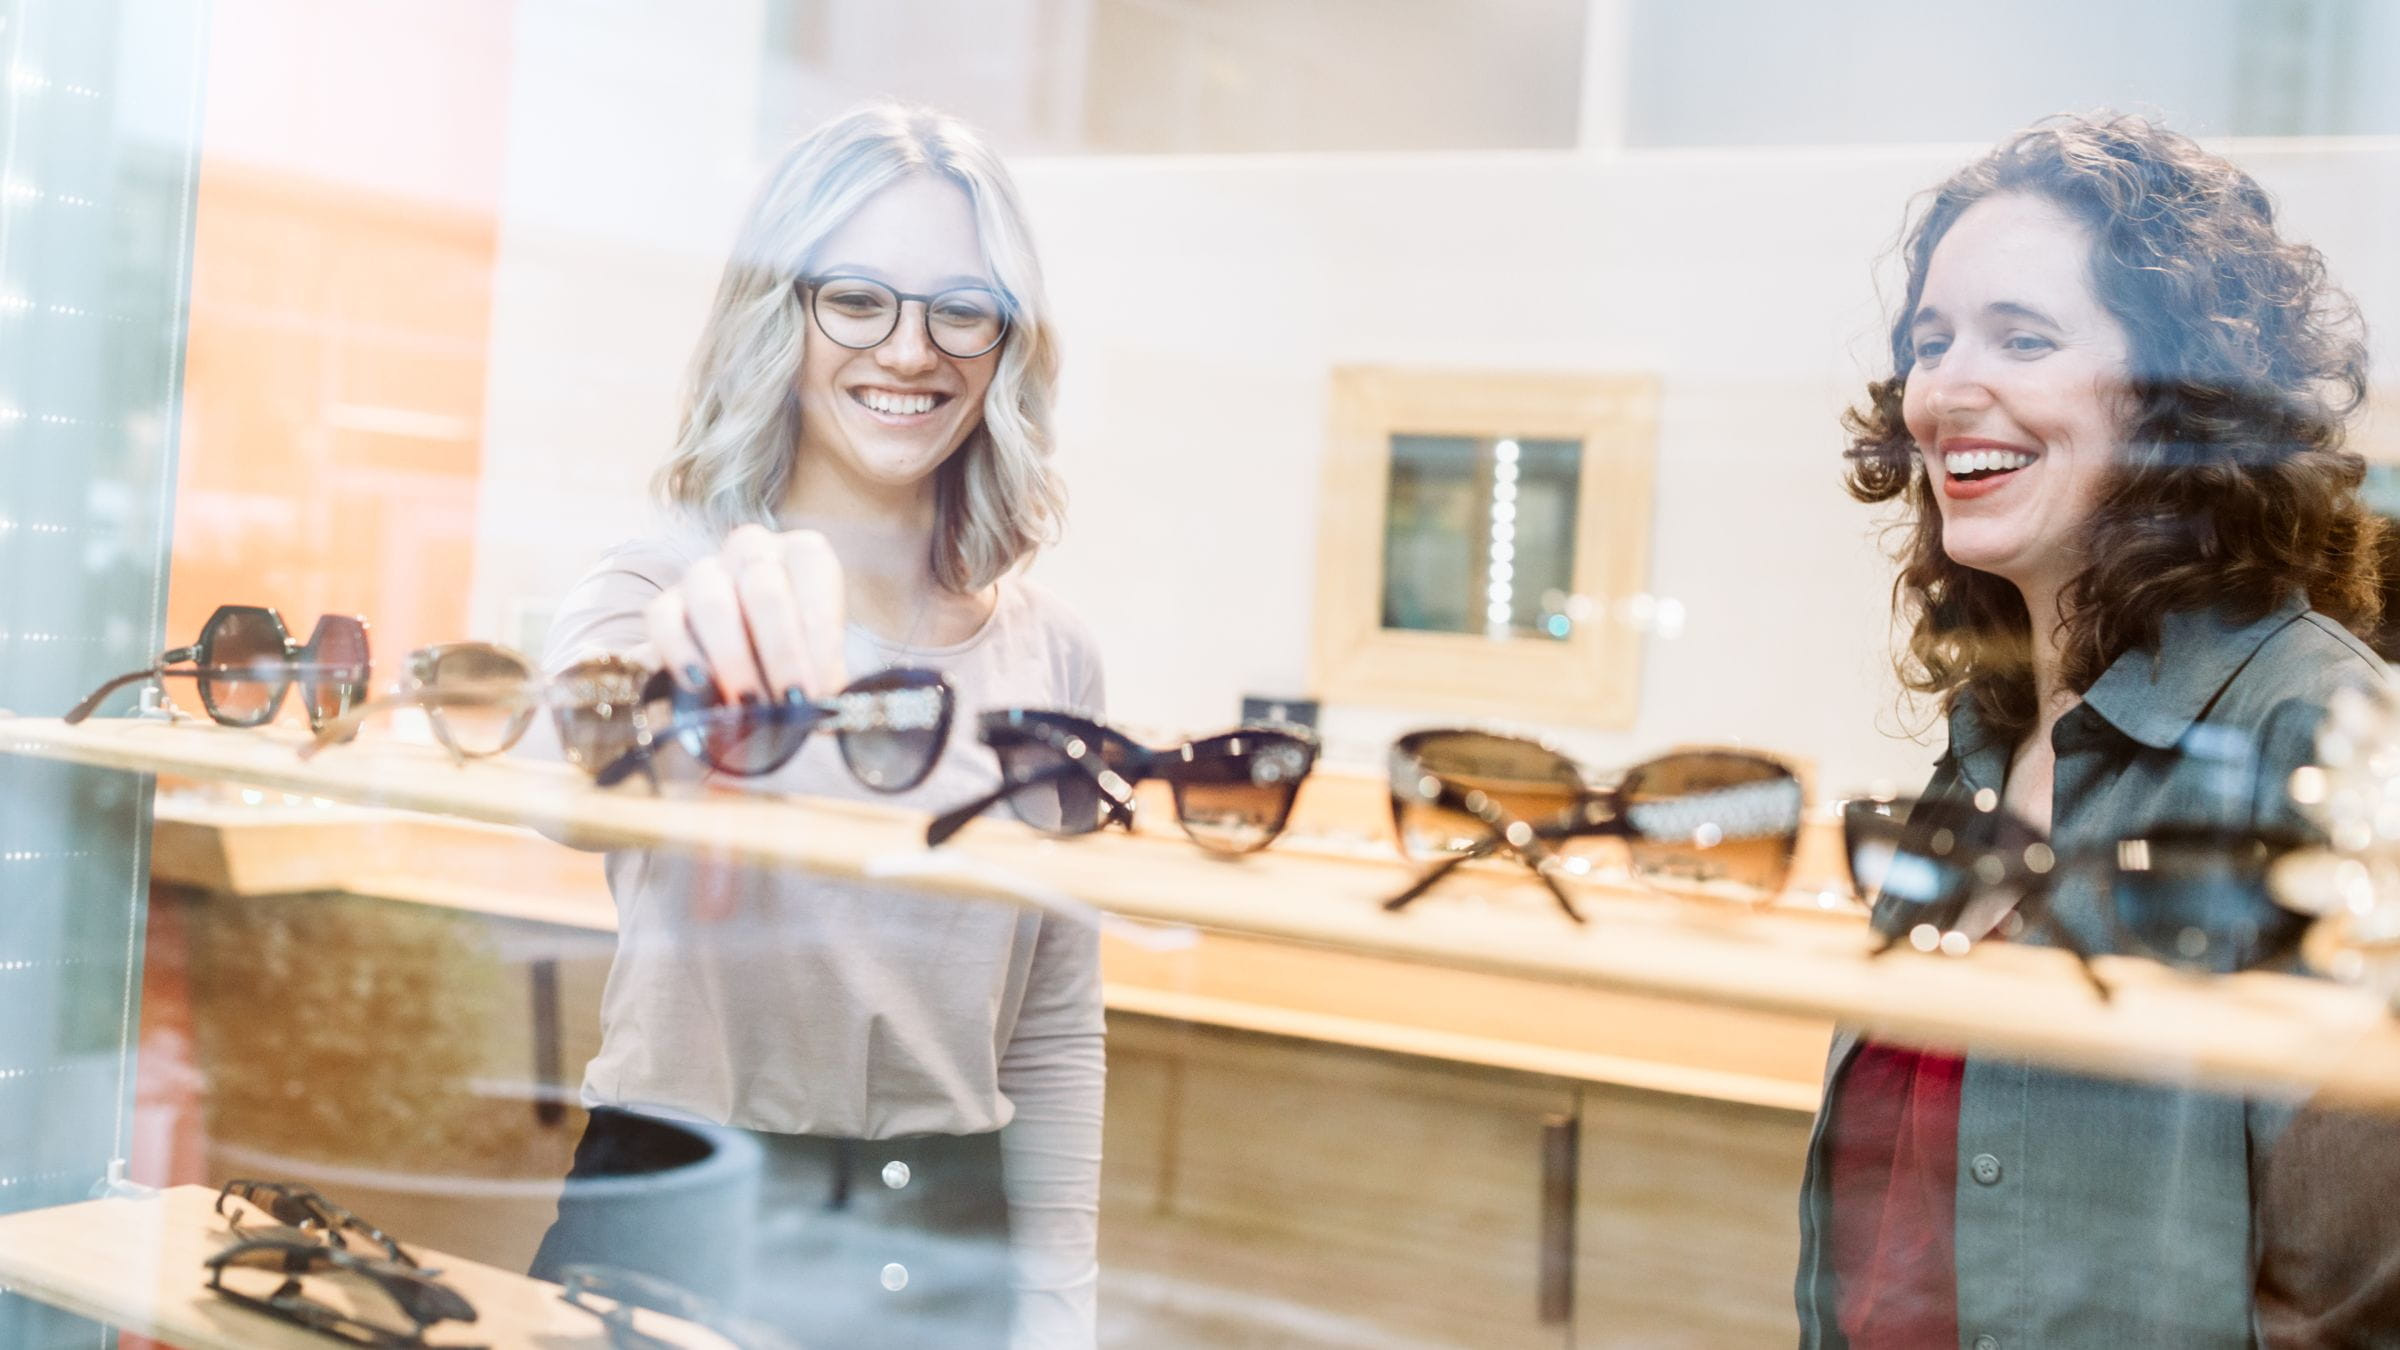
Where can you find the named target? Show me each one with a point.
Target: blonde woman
(862, 469)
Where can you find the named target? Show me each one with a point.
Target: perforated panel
(97, 166)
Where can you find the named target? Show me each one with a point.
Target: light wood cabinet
(1267, 1192)
(1687, 1222)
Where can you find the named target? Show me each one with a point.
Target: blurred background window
(1265, 76)
(1193, 76)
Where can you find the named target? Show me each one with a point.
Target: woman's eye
(965, 307)
(1930, 349)
(2023, 344)
(856, 302)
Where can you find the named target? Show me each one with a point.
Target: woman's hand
(761, 620)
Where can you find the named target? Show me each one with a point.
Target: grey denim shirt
(2092, 1211)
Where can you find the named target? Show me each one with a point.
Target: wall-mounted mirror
(1479, 535)
(1484, 541)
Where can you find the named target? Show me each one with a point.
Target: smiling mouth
(1979, 466)
(892, 404)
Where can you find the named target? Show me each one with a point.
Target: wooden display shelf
(1296, 990)
(138, 1265)
(2249, 1030)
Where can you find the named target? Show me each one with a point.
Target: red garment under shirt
(1893, 1168)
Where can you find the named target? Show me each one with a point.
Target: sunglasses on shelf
(1716, 821)
(303, 1208)
(1944, 875)
(1068, 775)
(298, 1256)
(613, 1296)
(480, 698)
(890, 727)
(246, 661)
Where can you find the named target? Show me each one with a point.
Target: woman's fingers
(713, 614)
(816, 586)
(671, 636)
(755, 560)
(765, 615)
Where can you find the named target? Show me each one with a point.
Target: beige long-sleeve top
(866, 1010)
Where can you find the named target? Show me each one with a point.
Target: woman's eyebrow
(953, 282)
(2003, 309)
(2017, 309)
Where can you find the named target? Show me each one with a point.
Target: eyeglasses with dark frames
(1714, 821)
(423, 1300)
(890, 727)
(1068, 775)
(613, 1295)
(480, 698)
(245, 661)
(303, 1208)
(862, 313)
(1944, 875)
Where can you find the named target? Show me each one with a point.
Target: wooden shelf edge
(1578, 1066)
(2249, 1031)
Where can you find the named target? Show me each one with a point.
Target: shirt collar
(1982, 757)
(2153, 696)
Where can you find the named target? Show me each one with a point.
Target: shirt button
(1986, 1171)
(895, 1277)
(895, 1175)
(1987, 1343)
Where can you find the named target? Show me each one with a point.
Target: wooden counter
(2247, 1030)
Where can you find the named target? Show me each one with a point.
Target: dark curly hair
(2233, 489)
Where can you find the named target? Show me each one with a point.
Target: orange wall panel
(344, 245)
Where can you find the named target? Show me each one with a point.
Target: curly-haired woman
(2134, 559)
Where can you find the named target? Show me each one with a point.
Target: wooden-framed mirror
(1484, 543)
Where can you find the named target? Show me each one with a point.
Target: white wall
(1203, 301)
(629, 156)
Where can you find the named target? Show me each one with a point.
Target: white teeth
(1982, 461)
(896, 404)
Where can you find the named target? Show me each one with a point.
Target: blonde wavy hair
(997, 497)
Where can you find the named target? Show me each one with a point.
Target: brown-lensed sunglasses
(245, 662)
(1719, 821)
(480, 697)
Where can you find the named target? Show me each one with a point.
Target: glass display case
(625, 635)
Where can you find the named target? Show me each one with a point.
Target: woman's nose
(909, 350)
(1958, 387)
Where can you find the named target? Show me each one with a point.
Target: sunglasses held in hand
(889, 726)
(1717, 821)
(245, 661)
(1068, 775)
